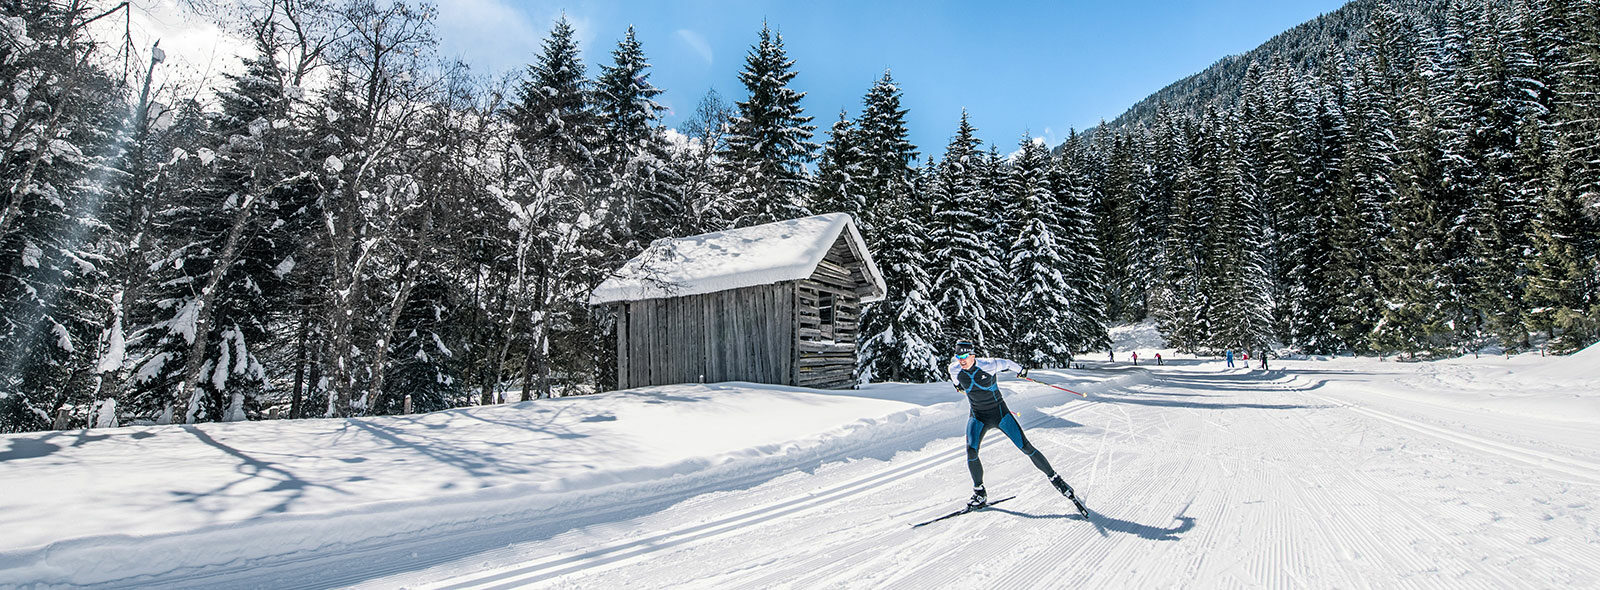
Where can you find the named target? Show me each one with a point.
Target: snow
(284, 267)
(1339, 472)
(744, 257)
(31, 254)
(63, 337)
(1143, 337)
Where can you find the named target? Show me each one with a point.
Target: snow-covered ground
(1328, 473)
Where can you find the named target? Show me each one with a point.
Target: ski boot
(980, 498)
(1066, 490)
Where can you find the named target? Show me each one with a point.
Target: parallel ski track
(1332, 491)
(1578, 468)
(621, 552)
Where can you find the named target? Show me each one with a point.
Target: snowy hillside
(1321, 473)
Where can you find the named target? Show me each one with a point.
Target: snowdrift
(139, 505)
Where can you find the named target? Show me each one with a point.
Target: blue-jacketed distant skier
(977, 377)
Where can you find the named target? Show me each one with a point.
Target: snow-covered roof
(736, 258)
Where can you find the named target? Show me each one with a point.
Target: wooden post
(61, 419)
(408, 404)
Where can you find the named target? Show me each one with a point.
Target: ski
(962, 511)
(1081, 509)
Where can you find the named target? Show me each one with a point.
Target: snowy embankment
(139, 505)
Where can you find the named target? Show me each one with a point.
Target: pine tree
(1360, 196)
(770, 140)
(838, 170)
(1082, 260)
(1181, 303)
(1236, 243)
(634, 153)
(1122, 222)
(887, 156)
(1039, 333)
(223, 278)
(900, 334)
(1503, 127)
(961, 261)
(1299, 186)
(67, 120)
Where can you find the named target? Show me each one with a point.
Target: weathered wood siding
(735, 335)
(826, 354)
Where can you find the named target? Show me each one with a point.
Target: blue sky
(1036, 67)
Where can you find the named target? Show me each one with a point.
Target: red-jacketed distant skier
(977, 378)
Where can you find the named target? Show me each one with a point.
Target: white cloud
(697, 43)
(196, 50)
(489, 35)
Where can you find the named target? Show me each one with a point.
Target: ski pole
(1055, 386)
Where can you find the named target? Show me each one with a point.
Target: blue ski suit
(989, 411)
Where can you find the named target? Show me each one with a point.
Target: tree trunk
(208, 296)
(379, 364)
(300, 361)
(541, 331)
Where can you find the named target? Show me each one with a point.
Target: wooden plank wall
(824, 360)
(736, 335)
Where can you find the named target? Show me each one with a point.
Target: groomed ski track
(1195, 476)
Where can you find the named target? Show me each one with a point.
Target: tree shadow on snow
(250, 468)
(33, 448)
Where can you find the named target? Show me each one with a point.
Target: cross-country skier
(1230, 358)
(977, 377)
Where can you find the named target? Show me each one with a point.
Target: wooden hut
(776, 303)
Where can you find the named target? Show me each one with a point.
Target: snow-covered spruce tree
(1299, 187)
(1501, 126)
(640, 195)
(961, 259)
(226, 254)
(65, 123)
(1236, 244)
(1182, 305)
(1563, 286)
(998, 225)
(770, 141)
(899, 334)
(1083, 260)
(1414, 313)
(1578, 98)
(1362, 190)
(887, 155)
(1123, 219)
(633, 152)
(558, 134)
(152, 166)
(837, 171)
(1040, 329)
(1562, 290)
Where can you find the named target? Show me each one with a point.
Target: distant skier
(1263, 360)
(977, 377)
(1159, 362)
(1229, 354)
(1112, 356)
(1135, 358)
